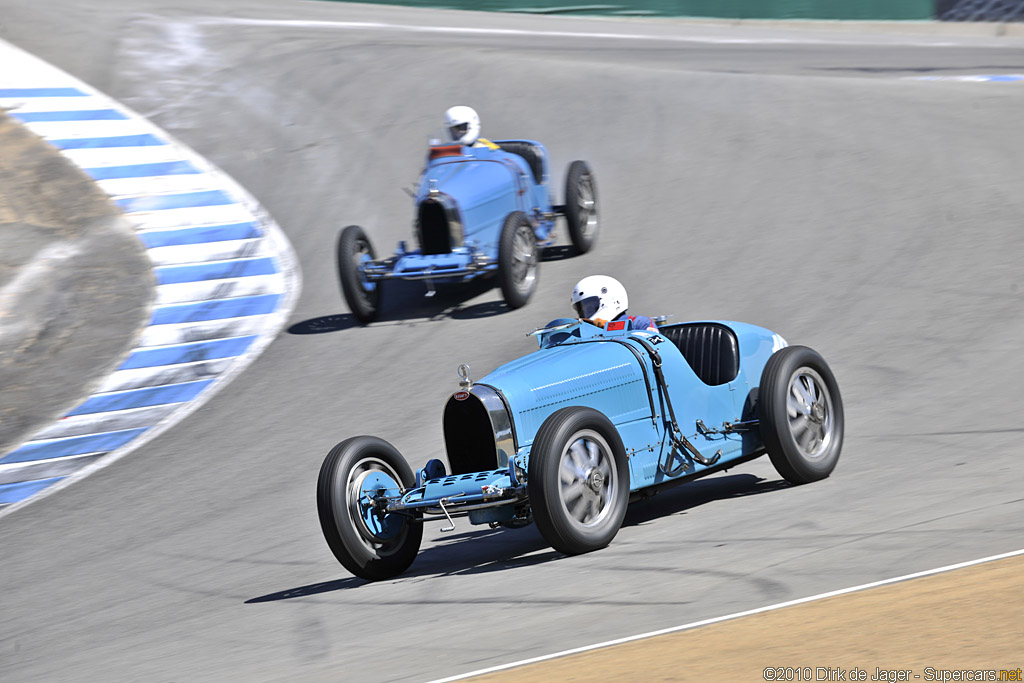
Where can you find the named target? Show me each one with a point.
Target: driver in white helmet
(600, 299)
(463, 126)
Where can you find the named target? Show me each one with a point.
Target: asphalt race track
(801, 179)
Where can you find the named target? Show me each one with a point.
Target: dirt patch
(969, 619)
(75, 284)
(41, 188)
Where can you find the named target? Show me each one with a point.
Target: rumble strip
(226, 276)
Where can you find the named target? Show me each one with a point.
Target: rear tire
(581, 206)
(801, 414)
(518, 256)
(362, 296)
(370, 544)
(578, 480)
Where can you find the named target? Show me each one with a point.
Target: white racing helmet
(463, 124)
(599, 297)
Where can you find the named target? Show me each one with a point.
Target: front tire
(370, 544)
(801, 414)
(578, 480)
(581, 206)
(518, 256)
(362, 296)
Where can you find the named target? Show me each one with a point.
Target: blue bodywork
(710, 372)
(464, 196)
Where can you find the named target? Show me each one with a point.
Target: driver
(463, 126)
(599, 299)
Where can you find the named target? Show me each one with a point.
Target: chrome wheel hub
(809, 410)
(587, 483)
(524, 258)
(362, 256)
(586, 205)
(372, 477)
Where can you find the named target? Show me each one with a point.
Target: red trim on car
(445, 151)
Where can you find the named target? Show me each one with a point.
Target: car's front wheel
(518, 256)
(354, 479)
(362, 295)
(581, 206)
(578, 480)
(801, 414)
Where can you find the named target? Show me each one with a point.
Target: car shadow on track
(325, 324)
(479, 551)
(408, 301)
(407, 307)
(471, 552)
(693, 494)
(405, 302)
(924, 69)
(560, 252)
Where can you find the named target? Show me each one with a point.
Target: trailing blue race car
(566, 435)
(480, 208)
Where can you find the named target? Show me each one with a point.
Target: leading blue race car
(479, 210)
(567, 435)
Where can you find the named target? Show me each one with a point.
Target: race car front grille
(434, 233)
(469, 436)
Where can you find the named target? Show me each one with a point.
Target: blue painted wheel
(357, 478)
(361, 294)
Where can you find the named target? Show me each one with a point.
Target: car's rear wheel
(518, 256)
(801, 414)
(581, 206)
(578, 480)
(362, 295)
(369, 542)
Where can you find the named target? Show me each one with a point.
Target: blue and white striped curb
(1001, 78)
(226, 276)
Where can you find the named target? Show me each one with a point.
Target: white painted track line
(729, 617)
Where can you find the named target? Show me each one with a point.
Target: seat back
(711, 349)
(529, 152)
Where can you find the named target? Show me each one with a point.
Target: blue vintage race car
(478, 210)
(568, 434)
